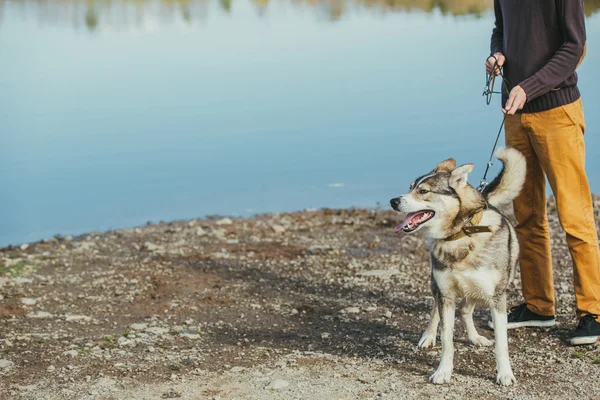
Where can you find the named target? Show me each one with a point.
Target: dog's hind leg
(505, 375)
(429, 336)
(467, 315)
(447, 311)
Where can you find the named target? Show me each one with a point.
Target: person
(539, 45)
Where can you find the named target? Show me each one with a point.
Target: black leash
(488, 92)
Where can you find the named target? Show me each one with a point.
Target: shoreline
(311, 305)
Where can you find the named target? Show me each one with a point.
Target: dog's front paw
(441, 376)
(480, 341)
(427, 340)
(505, 378)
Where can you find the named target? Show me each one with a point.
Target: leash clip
(482, 185)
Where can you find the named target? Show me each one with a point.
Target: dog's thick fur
(476, 268)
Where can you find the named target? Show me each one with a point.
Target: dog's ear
(459, 177)
(446, 166)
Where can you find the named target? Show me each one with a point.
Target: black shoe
(587, 332)
(521, 316)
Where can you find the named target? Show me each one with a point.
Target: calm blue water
(152, 111)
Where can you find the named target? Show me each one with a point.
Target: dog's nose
(395, 202)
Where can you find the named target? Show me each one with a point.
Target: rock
(277, 384)
(325, 335)
(155, 330)
(379, 273)
(151, 349)
(237, 369)
(294, 311)
(28, 301)
(139, 327)
(24, 246)
(71, 318)
(224, 221)
(72, 353)
(388, 314)
(6, 363)
(350, 310)
(152, 247)
(51, 368)
(190, 335)
(318, 249)
(1, 297)
(22, 281)
(200, 231)
(124, 342)
(278, 229)
(39, 315)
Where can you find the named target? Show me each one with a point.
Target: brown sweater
(543, 42)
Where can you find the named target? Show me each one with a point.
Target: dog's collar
(471, 228)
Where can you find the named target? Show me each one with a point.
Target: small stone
(28, 302)
(388, 314)
(294, 311)
(24, 246)
(152, 246)
(350, 310)
(71, 318)
(237, 369)
(51, 368)
(71, 353)
(277, 384)
(155, 330)
(39, 315)
(139, 327)
(124, 342)
(224, 221)
(151, 349)
(200, 231)
(6, 363)
(325, 335)
(278, 229)
(190, 335)
(88, 378)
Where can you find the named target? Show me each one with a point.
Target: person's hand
(516, 100)
(491, 61)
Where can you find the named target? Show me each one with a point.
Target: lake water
(115, 113)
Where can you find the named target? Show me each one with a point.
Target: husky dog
(474, 251)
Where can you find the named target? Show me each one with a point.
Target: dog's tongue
(410, 219)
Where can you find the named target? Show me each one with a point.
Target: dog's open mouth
(414, 220)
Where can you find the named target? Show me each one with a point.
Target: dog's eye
(422, 191)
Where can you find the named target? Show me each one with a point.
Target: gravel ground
(324, 304)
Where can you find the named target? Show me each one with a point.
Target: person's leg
(558, 141)
(532, 224)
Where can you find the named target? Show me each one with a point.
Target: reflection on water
(124, 14)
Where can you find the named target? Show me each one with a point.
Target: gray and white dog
(474, 251)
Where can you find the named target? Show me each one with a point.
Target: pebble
(6, 363)
(190, 335)
(200, 231)
(224, 221)
(39, 315)
(28, 301)
(151, 349)
(294, 311)
(71, 318)
(139, 327)
(51, 368)
(350, 310)
(278, 229)
(155, 330)
(24, 246)
(151, 246)
(325, 335)
(72, 353)
(277, 384)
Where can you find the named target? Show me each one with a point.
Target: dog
(474, 252)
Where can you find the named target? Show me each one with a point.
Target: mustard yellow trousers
(552, 143)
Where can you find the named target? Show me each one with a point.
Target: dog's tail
(507, 185)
